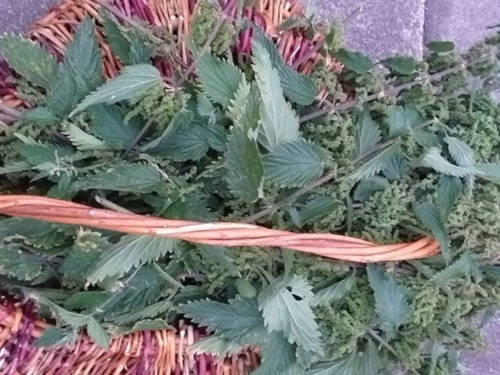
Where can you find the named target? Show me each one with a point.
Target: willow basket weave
(161, 352)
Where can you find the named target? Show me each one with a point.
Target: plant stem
(395, 91)
(291, 198)
(111, 205)
(138, 137)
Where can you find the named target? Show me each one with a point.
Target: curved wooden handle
(218, 233)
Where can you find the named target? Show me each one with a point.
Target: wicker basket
(162, 352)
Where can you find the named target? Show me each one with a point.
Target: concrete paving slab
(18, 15)
(381, 28)
(464, 22)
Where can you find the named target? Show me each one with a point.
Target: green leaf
(286, 307)
(40, 116)
(334, 292)
(83, 57)
(184, 141)
(18, 264)
(63, 96)
(279, 122)
(219, 79)
(296, 87)
(244, 165)
(108, 124)
(403, 65)
(491, 272)
(54, 336)
(367, 133)
(131, 252)
(244, 109)
(81, 140)
(433, 159)
(430, 216)
(316, 208)
(368, 187)
(123, 177)
(465, 266)
(460, 152)
(29, 60)
(133, 82)
(391, 303)
(77, 264)
(355, 61)
(489, 171)
(151, 311)
(401, 119)
(367, 363)
(140, 50)
(396, 168)
(376, 163)
(116, 38)
(441, 46)
(294, 164)
(97, 333)
(278, 357)
(448, 190)
(70, 318)
(86, 300)
(240, 317)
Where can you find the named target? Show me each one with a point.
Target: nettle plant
(397, 150)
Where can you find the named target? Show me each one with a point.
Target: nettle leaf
(377, 163)
(403, 65)
(240, 317)
(294, 164)
(433, 159)
(367, 133)
(133, 82)
(355, 61)
(278, 357)
(152, 311)
(460, 152)
(29, 60)
(441, 46)
(297, 87)
(81, 140)
(286, 307)
(18, 264)
(86, 300)
(315, 208)
(40, 115)
(70, 318)
(184, 141)
(244, 109)
(140, 50)
(391, 301)
(430, 216)
(244, 165)
(126, 177)
(368, 187)
(489, 171)
(396, 168)
(116, 38)
(53, 336)
(367, 363)
(63, 96)
(108, 124)
(131, 252)
(83, 57)
(77, 264)
(467, 266)
(449, 188)
(97, 333)
(401, 119)
(279, 122)
(333, 292)
(219, 79)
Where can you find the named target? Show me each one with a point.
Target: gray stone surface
(18, 15)
(484, 361)
(381, 28)
(463, 21)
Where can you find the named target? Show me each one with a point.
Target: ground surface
(379, 28)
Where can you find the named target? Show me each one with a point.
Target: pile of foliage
(399, 149)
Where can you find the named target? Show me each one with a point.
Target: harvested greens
(398, 150)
